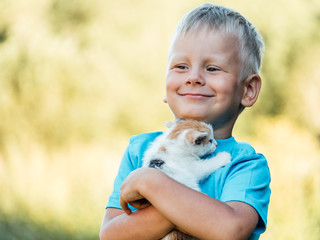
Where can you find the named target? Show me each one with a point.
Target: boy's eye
(181, 67)
(212, 69)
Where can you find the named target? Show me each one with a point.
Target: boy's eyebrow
(176, 56)
(215, 58)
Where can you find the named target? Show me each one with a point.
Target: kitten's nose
(215, 142)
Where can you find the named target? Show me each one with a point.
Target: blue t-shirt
(245, 179)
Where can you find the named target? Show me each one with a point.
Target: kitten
(178, 153)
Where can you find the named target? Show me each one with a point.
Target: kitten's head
(196, 136)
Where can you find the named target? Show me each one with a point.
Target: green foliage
(3, 34)
(67, 15)
(21, 226)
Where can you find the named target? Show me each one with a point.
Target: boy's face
(203, 79)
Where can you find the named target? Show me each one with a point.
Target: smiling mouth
(196, 95)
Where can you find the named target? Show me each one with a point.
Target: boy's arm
(144, 224)
(190, 211)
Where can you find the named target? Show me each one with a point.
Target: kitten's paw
(224, 157)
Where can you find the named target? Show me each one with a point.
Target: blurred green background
(78, 77)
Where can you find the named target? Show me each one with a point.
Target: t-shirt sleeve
(248, 181)
(127, 165)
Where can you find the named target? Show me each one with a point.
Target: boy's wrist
(151, 182)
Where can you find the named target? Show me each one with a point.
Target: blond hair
(215, 17)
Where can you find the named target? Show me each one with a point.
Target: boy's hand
(131, 186)
(140, 204)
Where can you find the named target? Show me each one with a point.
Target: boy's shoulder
(139, 143)
(232, 145)
(144, 137)
(244, 148)
(245, 153)
(239, 150)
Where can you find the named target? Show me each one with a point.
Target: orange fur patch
(190, 137)
(163, 149)
(188, 124)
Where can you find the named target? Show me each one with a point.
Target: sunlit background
(79, 77)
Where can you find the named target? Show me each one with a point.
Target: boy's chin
(193, 116)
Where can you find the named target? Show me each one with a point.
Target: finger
(140, 204)
(125, 207)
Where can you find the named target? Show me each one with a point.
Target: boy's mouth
(196, 95)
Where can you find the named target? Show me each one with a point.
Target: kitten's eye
(210, 141)
(199, 140)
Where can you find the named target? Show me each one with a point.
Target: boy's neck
(223, 132)
(222, 135)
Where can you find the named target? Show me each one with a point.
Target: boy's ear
(252, 85)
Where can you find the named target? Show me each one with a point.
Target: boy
(212, 75)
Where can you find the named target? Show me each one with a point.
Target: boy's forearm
(198, 214)
(145, 224)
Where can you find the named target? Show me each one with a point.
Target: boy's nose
(195, 78)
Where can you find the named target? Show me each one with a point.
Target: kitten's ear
(168, 124)
(200, 137)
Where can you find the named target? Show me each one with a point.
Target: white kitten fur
(178, 151)
(181, 154)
